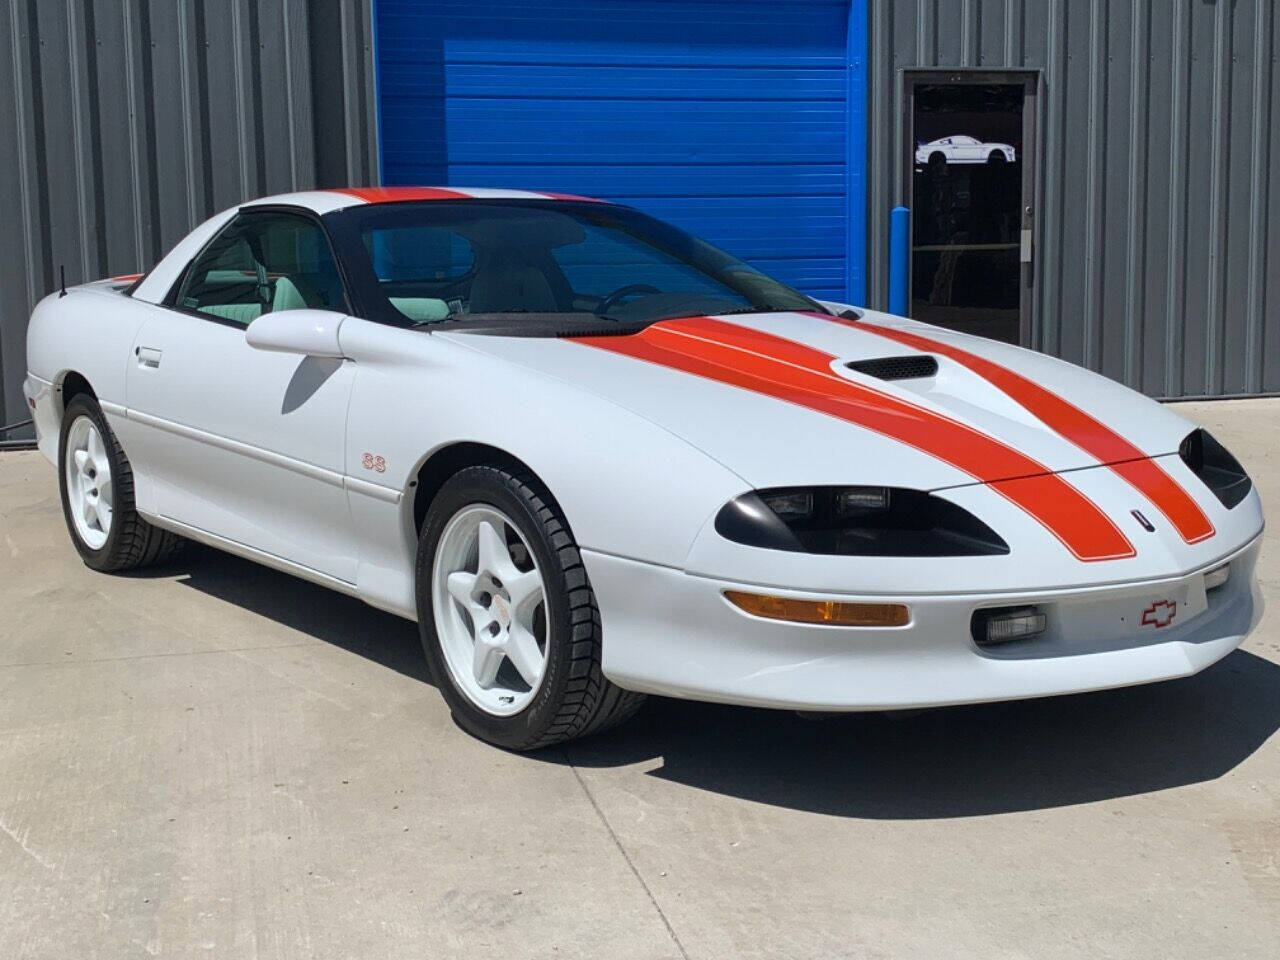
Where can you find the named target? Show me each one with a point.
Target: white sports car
(963, 149)
(594, 457)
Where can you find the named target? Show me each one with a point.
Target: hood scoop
(915, 367)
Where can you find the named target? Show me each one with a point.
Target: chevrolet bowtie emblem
(1160, 614)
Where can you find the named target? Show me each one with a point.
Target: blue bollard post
(899, 250)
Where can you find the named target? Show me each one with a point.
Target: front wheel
(507, 616)
(96, 483)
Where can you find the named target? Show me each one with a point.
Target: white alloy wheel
(490, 610)
(90, 494)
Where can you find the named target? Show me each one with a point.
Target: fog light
(1002, 624)
(1217, 577)
(831, 612)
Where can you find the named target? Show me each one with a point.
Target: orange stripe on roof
(1070, 422)
(400, 194)
(789, 371)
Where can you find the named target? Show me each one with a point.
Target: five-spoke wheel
(89, 488)
(490, 610)
(97, 495)
(508, 619)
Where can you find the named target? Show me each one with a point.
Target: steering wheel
(609, 302)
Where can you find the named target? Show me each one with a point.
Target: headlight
(856, 521)
(1211, 462)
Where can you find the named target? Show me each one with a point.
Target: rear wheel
(507, 616)
(96, 484)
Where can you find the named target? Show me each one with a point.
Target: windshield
(439, 261)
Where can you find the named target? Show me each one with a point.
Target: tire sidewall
(82, 406)
(486, 486)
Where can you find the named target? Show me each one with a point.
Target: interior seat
(504, 288)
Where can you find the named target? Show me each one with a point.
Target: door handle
(1024, 251)
(148, 357)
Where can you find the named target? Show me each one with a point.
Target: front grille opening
(915, 367)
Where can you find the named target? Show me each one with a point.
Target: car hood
(772, 397)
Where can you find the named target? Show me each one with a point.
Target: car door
(970, 150)
(241, 443)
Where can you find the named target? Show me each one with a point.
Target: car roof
(338, 198)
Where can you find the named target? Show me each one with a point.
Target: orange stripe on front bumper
(789, 371)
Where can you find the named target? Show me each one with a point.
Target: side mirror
(312, 333)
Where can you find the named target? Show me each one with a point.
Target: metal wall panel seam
(1008, 57)
(349, 104)
(1259, 190)
(131, 81)
(290, 112)
(1135, 212)
(1176, 253)
(968, 34)
(76, 59)
(1219, 172)
(24, 99)
(240, 80)
(1095, 185)
(190, 104)
(922, 22)
(1054, 202)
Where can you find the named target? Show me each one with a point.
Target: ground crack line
(625, 856)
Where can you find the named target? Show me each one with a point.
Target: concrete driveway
(218, 760)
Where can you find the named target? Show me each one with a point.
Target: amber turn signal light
(830, 612)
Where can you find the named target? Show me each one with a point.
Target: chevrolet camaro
(594, 457)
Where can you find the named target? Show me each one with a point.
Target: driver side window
(263, 263)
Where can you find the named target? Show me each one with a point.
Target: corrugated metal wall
(727, 117)
(1158, 234)
(123, 123)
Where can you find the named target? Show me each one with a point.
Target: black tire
(574, 698)
(997, 156)
(131, 542)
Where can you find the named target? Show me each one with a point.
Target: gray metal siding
(123, 123)
(1157, 226)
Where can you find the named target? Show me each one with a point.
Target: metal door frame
(1030, 81)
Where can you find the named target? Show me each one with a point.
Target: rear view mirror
(311, 333)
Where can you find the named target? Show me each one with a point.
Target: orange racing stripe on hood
(1070, 422)
(789, 371)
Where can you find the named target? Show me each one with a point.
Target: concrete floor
(219, 760)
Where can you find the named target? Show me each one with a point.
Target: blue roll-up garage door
(726, 117)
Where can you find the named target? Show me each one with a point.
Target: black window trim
(170, 301)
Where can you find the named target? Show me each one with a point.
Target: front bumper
(672, 633)
(42, 402)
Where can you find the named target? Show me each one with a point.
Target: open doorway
(970, 184)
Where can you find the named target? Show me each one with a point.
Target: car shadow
(952, 762)
(343, 621)
(959, 761)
